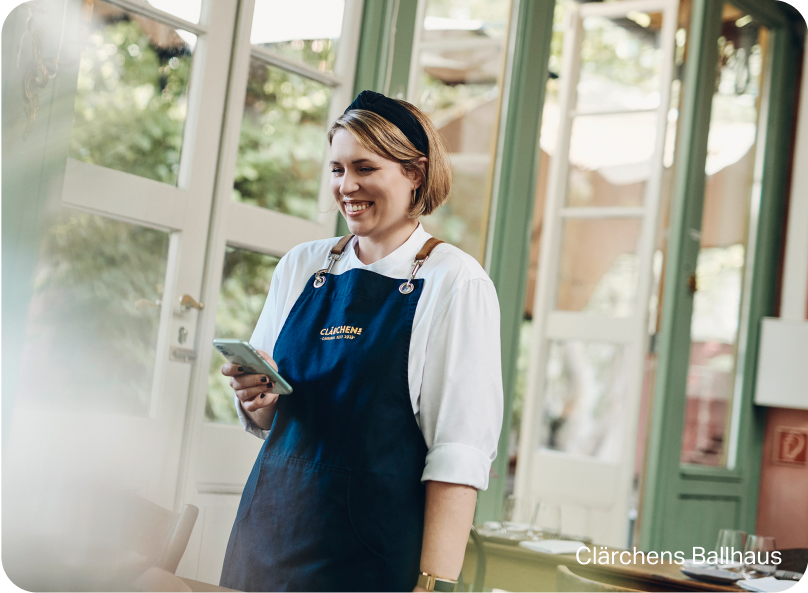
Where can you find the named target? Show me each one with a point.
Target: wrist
(432, 582)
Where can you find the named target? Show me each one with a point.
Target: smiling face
(373, 192)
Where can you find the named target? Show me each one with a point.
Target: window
(456, 78)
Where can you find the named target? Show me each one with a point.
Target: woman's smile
(356, 208)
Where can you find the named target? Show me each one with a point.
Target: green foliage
(620, 54)
(318, 53)
(86, 321)
(131, 101)
(245, 283)
(282, 142)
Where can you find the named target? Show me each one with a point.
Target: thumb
(268, 358)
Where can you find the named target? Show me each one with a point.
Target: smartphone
(243, 354)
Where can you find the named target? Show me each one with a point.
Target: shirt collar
(405, 253)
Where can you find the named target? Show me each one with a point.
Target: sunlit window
(457, 81)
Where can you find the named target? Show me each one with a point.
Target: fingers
(240, 382)
(232, 370)
(251, 393)
(262, 400)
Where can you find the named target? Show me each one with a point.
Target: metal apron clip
(320, 277)
(407, 287)
(334, 256)
(423, 255)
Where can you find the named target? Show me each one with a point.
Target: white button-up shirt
(455, 375)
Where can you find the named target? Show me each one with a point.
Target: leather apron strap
(423, 255)
(335, 255)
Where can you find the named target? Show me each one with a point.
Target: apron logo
(340, 332)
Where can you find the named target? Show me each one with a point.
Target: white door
(292, 75)
(127, 243)
(579, 425)
(198, 156)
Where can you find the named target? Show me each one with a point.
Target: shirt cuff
(457, 464)
(248, 424)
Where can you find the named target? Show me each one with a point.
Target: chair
(479, 571)
(566, 580)
(157, 535)
(794, 559)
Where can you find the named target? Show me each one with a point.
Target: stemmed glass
(548, 518)
(761, 557)
(729, 541)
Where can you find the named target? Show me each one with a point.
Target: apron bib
(335, 501)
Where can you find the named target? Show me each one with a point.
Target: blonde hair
(385, 139)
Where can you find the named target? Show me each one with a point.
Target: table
(514, 568)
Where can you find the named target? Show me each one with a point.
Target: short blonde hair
(385, 139)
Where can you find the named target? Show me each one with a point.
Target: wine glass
(517, 511)
(730, 542)
(761, 558)
(548, 518)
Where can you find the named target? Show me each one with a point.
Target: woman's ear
(417, 174)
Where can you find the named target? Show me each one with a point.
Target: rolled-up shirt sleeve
(461, 399)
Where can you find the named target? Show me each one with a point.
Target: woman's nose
(349, 184)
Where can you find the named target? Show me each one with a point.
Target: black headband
(396, 114)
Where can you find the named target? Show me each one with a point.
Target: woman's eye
(336, 170)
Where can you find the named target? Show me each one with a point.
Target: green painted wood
(701, 517)
(767, 13)
(785, 52)
(667, 523)
(668, 412)
(385, 53)
(512, 208)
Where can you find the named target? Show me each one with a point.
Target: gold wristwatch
(430, 582)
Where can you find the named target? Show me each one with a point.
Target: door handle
(140, 303)
(187, 303)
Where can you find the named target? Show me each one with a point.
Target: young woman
(368, 476)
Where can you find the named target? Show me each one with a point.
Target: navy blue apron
(335, 501)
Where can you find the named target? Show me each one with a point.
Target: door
(292, 75)
(706, 436)
(126, 243)
(590, 325)
(197, 160)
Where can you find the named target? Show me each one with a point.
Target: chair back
(158, 535)
(568, 581)
(794, 559)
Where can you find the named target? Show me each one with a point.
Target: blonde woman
(369, 472)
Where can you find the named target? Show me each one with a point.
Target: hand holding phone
(243, 356)
(256, 393)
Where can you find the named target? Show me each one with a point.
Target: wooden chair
(794, 559)
(568, 581)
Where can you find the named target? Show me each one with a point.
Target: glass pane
(722, 257)
(132, 93)
(188, 10)
(610, 159)
(245, 283)
(460, 71)
(283, 142)
(584, 406)
(462, 220)
(621, 62)
(95, 312)
(598, 266)
(304, 30)
(461, 16)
